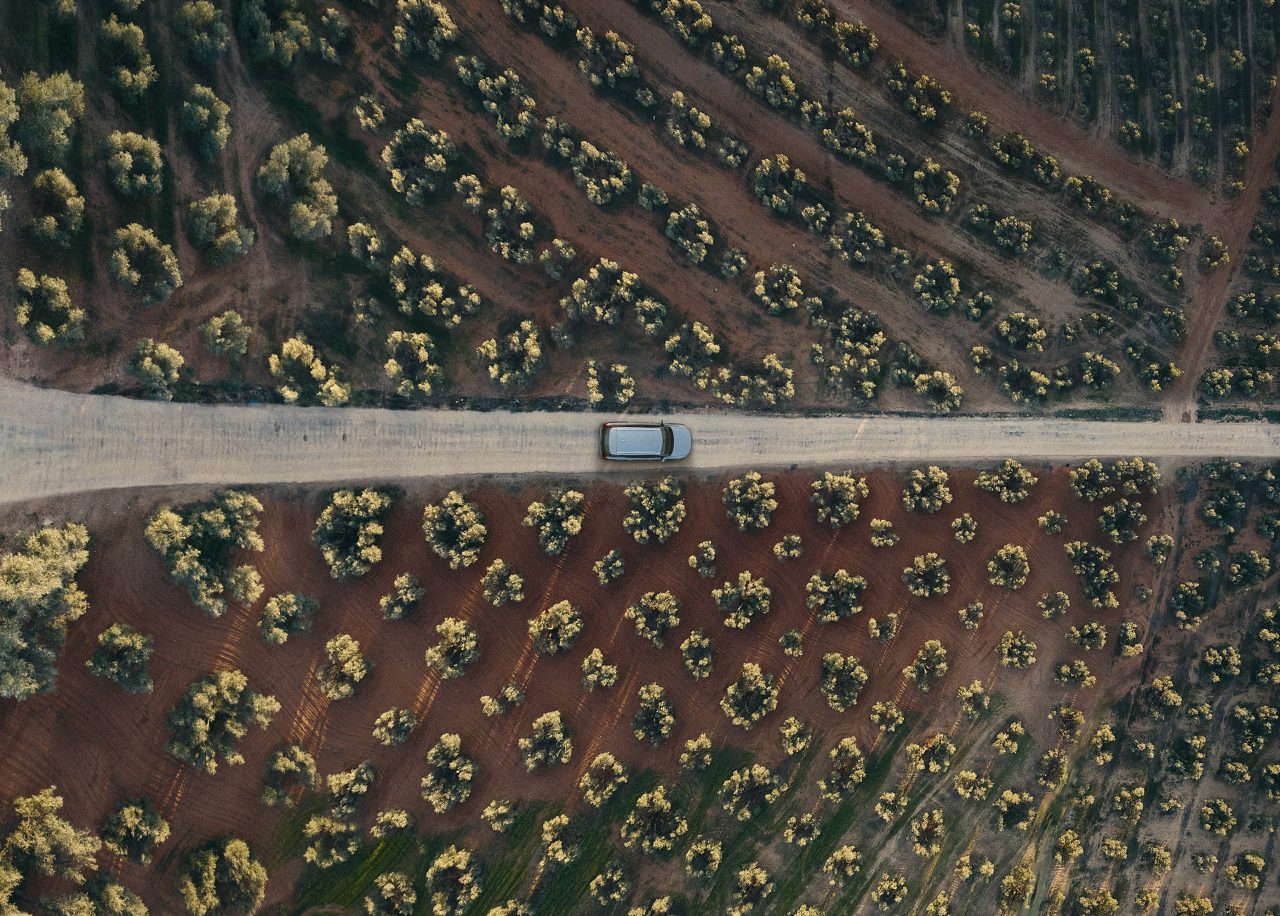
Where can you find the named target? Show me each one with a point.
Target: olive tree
(843, 678)
(293, 177)
(403, 599)
(750, 697)
(423, 29)
(557, 520)
(927, 576)
(131, 71)
(750, 501)
(45, 310)
(513, 359)
(133, 830)
(834, 597)
(929, 665)
(926, 490)
(655, 717)
(214, 225)
(206, 37)
(343, 668)
(743, 600)
(123, 655)
(654, 614)
(455, 529)
(838, 498)
(418, 159)
(57, 207)
(656, 510)
(284, 615)
(349, 531)
(450, 774)
(213, 716)
(1009, 567)
(547, 743)
(222, 876)
(459, 646)
(51, 109)
(157, 367)
(303, 377)
(204, 120)
(143, 265)
(556, 629)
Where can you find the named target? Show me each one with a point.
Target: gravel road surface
(53, 442)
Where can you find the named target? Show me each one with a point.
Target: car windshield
(668, 440)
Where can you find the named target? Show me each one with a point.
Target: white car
(645, 441)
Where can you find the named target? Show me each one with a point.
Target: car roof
(635, 440)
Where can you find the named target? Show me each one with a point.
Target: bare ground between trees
(100, 745)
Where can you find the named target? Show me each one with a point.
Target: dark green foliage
(348, 788)
(749, 501)
(458, 647)
(418, 159)
(51, 110)
(157, 367)
(223, 876)
(751, 697)
(927, 576)
(133, 829)
(843, 678)
(926, 490)
(557, 520)
(654, 614)
(656, 510)
(198, 541)
(548, 742)
(293, 177)
(40, 843)
(290, 771)
(403, 599)
(123, 655)
(343, 668)
(144, 265)
(330, 841)
(655, 718)
(200, 25)
(455, 529)
(274, 31)
(424, 29)
(45, 310)
(838, 498)
(131, 71)
(742, 601)
(204, 118)
(349, 530)
(556, 629)
(214, 715)
(215, 228)
(286, 614)
(58, 209)
(1010, 481)
(39, 598)
(450, 774)
(1093, 565)
(836, 596)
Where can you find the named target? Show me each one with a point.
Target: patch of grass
(505, 874)
(346, 884)
(807, 862)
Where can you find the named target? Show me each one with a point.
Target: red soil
(100, 745)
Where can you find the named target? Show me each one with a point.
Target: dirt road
(53, 442)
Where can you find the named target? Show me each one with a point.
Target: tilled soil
(100, 745)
